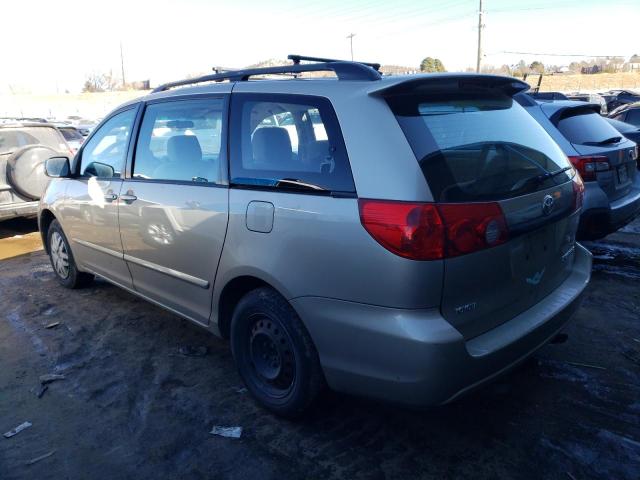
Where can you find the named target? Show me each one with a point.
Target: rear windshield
(586, 127)
(478, 146)
(12, 139)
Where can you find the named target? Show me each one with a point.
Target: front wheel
(274, 353)
(64, 266)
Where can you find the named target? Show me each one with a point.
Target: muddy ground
(132, 407)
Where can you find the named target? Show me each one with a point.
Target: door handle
(128, 198)
(110, 197)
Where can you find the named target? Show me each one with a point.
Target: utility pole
(124, 82)
(480, 27)
(350, 37)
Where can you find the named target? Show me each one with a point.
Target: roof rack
(297, 58)
(344, 70)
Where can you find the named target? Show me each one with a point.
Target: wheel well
(46, 217)
(231, 295)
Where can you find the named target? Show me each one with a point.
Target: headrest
(184, 148)
(271, 145)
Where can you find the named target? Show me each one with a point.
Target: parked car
(24, 147)
(426, 245)
(589, 98)
(71, 134)
(632, 132)
(605, 159)
(616, 98)
(628, 113)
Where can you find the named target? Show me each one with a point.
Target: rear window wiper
(538, 179)
(545, 176)
(294, 183)
(603, 142)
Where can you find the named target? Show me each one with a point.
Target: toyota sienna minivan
(404, 238)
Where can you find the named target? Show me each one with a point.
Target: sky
(52, 46)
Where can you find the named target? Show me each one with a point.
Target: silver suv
(403, 238)
(24, 148)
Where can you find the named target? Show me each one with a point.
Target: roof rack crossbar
(343, 70)
(297, 58)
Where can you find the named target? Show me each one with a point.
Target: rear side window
(478, 146)
(585, 127)
(633, 117)
(180, 141)
(290, 142)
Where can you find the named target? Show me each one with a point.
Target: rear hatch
(605, 155)
(506, 194)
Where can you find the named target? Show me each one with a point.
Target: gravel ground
(131, 406)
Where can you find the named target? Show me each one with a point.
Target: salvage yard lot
(132, 406)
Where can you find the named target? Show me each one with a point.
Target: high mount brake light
(429, 231)
(587, 166)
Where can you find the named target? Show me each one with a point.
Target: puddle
(19, 245)
(615, 259)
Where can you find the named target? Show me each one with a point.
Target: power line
(557, 54)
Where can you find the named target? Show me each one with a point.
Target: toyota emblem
(547, 204)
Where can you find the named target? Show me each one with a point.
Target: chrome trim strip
(108, 251)
(199, 282)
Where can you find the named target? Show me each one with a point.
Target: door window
(289, 142)
(180, 141)
(105, 153)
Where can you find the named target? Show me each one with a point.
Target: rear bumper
(415, 357)
(599, 218)
(12, 210)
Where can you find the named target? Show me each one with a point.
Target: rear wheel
(274, 353)
(64, 266)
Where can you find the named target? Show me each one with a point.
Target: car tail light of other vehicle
(429, 231)
(587, 166)
(578, 192)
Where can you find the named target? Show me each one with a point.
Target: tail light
(587, 166)
(428, 231)
(578, 192)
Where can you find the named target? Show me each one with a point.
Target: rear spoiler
(451, 82)
(568, 109)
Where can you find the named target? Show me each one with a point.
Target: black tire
(58, 246)
(274, 353)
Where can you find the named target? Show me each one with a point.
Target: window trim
(76, 162)
(234, 146)
(224, 143)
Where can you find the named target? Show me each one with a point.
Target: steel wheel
(271, 354)
(59, 255)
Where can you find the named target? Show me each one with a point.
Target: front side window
(105, 153)
(288, 142)
(181, 141)
(479, 146)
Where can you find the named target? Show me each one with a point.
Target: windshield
(478, 147)
(71, 134)
(11, 139)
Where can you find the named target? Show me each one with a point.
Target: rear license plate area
(623, 176)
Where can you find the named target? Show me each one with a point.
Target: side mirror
(100, 170)
(57, 167)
